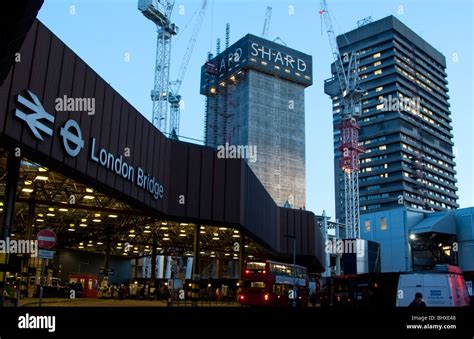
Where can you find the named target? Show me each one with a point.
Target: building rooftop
(386, 24)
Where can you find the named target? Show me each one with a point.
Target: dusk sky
(119, 43)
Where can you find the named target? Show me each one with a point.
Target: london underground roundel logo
(72, 138)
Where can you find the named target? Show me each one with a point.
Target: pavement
(95, 302)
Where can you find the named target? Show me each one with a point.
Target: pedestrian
(418, 301)
(312, 299)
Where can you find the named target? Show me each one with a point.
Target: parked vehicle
(442, 287)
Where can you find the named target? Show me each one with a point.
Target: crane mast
(159, 12)
(174, 96)
(266, 24)
(350, 94)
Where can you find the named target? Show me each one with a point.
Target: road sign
(46, 239)
(46, 254)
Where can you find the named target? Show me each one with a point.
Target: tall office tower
(405, 125)
(255, 103)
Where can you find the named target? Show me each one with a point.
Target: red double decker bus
(269, 283)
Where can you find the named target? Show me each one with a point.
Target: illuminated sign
(252, 52)
(73, 144)
(277, 57)
(119, 166)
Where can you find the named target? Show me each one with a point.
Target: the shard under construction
(255, 109)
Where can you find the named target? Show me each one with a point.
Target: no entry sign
(46, 239)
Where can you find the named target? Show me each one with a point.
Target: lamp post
(293, 237)
(412, 238)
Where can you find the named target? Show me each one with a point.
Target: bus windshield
(256, 266)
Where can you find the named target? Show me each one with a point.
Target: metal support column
(107, 256)
(196, 265)
(241, 257)
(25, 262)
(153, 262)
(13, 174)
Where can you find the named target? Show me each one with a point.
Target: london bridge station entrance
(123, 200)
(108, 244)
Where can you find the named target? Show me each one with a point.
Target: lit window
(377, 63)
(379, 106)
(383, 223)
(382, 148)
(377, 72)
(376, 55)
(378, 89)
(367, 225)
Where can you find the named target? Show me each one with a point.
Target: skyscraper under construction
(255, 98)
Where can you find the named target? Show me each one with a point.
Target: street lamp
(293, 237)
(412, 238)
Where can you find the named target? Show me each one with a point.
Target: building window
(376, 55)
(377, 63)
(382, 148)
(380, 107)
(367, 226)
(383, 223)
(378, 89)
(377, 72)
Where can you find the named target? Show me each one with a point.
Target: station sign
(40, 124)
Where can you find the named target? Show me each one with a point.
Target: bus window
(257, 284)
(255, 266)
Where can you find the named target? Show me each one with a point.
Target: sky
(119, 43)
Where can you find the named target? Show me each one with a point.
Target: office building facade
(405, 124)
(255, 103)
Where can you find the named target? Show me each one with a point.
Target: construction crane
(159, 12)
(350, 94)
(174, 86)
(266, 25)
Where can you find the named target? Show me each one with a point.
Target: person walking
(418, 301)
